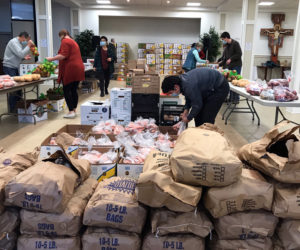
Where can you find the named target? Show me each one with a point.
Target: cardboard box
(47, 149)
(169, 46)
(177, 46)
(34, 107)
(168, 62)
(56, 105)
(101, 171)
(27, 67)
(146, 84)
(169, 51)
(75, 128)
(122, 119)
(120, 101)
(94, 111)
(132, 64)
(176, 56)
(159, 51)
(159, 66)
(167, 129)
(168, 72)
(150, 46)
(141, 63)
(122, 45)
(176, 62)
(168, 67)
(159, 45)
(151, 61)
(160, 71)
(138, 71)
(129, 170)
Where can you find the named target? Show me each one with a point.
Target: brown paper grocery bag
(156, 186)
(26, 242)
(164, 221)
(251, 192)
(246, 225)
(178, 241)
(9, 222)
(107, 238)
(286, 201)
(204, 157)
(46, 186)
(67, 223)
(276, 154)
(114, 204)
(289, 234)
(10, 166)
(253, 244)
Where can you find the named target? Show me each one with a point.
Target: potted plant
(211, 44)
(84, 40)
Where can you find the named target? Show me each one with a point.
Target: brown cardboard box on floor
(132, 64)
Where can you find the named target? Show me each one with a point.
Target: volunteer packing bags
(276, 154)
(165, 222)
(68, 223)
(203, 157)
(157, 188)
(114, 204)
(251, 192)
(107, 238)
(48, 185)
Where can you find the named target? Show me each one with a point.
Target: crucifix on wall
(276, 35)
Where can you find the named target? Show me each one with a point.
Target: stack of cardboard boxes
(122, 52)
(92, 112)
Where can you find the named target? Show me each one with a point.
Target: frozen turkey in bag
(289, 234)
(67, 223)
(157, 188)
(164, 221)
(48, 185)
(114, 204)
(246, 225)
(203, 157)
(251, 192)
(106, 238)
(177, 241)
(26, 242)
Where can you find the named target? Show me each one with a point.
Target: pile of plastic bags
(6, 81)
(96, 157)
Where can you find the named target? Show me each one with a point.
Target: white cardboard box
(39, 111)
(94, 111)
(120, 99)
(129, 170)
(26, 67)
(56, 105)
(122, 119)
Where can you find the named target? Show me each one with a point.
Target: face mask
(199, 50)
(224, 42)
(102, 43)
(24, 43)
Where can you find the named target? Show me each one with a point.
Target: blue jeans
(234, 97)
(13, 97)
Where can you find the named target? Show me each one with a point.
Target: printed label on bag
(200, 172)
(173, 245)
(32, 201)
(48, 244)
(46, 229)
(124, 186)
(113, 242)
(115, 213)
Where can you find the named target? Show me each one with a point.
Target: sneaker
(70, 115)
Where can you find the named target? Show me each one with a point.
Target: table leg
(234, 106)
(224, 113)
(255, 112)
(252, 112)
(266, 73)
(276, 115)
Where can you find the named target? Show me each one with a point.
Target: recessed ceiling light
(128, 1)
(266, 3)
(168, 2)
(104, 1)
(192, 4)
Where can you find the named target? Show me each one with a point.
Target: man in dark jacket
(231, 59)
(204, 89)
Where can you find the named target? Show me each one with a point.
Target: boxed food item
(129, 170)
(26, 242)
(107, 238)
(169, 46)
(138, 72)
(114, 204)
(177, 46)
(142, 45)
(251, 192)
(168, 72)
(146, 84)
(246, 225)
(276, 154)
(159, 72)
(176, 62)
(41, 188)
(56, 105)
(150, 46)
(132, 64)
(179, 241)
(212, 163)
(168, 62)
(159, 52)
(35, 111)
(164, 221)
(92, 112)
(141, 63)
(120, 99)
(159, 66)
(157, 188)
(159, 46)
(50, 224)
(286, 201)
(289, 235)
(168, 67)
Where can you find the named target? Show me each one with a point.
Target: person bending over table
(204, 89)
(70, 70)
(193, 57)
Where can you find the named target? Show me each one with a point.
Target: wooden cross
(276, 35)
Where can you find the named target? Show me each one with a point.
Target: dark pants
(71, 95)
(212, 104)
(104, 78)
(234, 97)
(16, 96)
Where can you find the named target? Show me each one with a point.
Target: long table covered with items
(119, 187)
(251, 99)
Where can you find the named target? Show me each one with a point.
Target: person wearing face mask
(104, 64)
(231, 59)
(16, 50)
(204, 89)
(70, 70)
(193, 57)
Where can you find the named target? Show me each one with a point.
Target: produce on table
(284, 94)
(27, 78)
(6, 81)
(278, 82)
(231, 75)
(34, 50)
(45, 69)
(240, 83)
(255, 88)
(267, 94)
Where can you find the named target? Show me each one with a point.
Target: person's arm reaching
(197, 57)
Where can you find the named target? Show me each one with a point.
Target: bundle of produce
(142, 124)
(55, 93)
(255, 88)
(34, 50)
(45, 69)
(108, 127)
(231, 75)
(240, 83)
(27, 78)
(284, 94)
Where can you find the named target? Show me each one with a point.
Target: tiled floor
(16, 137)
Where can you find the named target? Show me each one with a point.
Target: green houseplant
(211, 44)
(84, 40)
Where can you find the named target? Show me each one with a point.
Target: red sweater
(71, 69)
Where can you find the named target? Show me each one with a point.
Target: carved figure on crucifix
(276, 35)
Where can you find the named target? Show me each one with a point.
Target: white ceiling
(220, 5)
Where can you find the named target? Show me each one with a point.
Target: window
(22, 10)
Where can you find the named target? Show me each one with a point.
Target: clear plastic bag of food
(255, 88)
(267, 94)
(104, 140)
(144, 139)
(284, 94)
(124, 139)
(119, 129)
(92, 156)
(278, 82)
(109, 157)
